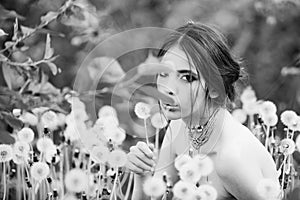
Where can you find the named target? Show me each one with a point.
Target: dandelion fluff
(287, 146)
(142, 110)
(210, 191)
(158, 121)
(6, 152)
(183, 189)
(240, 115)
(189, 172)
(26, 134)
(181, 160)
(39, 171)
(204, 163)
(106, 111)
(288, 117)
(117, 158)
(154, 186)
(76, 180)
(270, 120)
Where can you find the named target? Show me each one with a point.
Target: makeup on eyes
(182, 73)
(193, 75)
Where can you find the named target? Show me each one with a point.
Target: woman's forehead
(177, 59)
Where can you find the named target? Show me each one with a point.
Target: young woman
(201, 81)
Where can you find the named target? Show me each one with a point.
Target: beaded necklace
(199, 135)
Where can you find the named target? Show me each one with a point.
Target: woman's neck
(199, 118)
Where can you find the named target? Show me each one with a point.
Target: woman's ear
(213, 94)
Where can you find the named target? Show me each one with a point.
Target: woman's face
(181, 84)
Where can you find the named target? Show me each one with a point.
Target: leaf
(12, 77)
(9, 14)
(4, 101)
(5, 137)
(3, 58)
(27, 30)
(12, 121)
(52, 67)
(2, 33)
(48, 50)
(49, 17)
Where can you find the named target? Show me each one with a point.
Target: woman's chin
(172, 115)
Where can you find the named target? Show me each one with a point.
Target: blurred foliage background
(265, 33)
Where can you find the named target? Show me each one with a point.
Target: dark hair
(207, 49)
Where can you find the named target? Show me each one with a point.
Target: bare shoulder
(242, 161)
(240, 150)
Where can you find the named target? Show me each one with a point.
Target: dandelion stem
(98, 190)
(267, 137)
(23, 182)
(129, 186)
(4, 181)
(283, 172)
(61, 175)
(18, 185)
(89, 171)
(114, 186)
(156, 142)
(145, 125)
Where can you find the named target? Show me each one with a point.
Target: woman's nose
(169, 88)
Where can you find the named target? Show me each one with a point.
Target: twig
(39, 27)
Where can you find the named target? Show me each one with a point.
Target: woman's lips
(169, 106)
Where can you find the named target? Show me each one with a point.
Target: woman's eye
(163, 74)
(188, 78)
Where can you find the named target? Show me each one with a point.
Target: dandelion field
(59, 141)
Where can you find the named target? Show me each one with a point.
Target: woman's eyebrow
(184, 71)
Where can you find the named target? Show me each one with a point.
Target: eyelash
(189, 78)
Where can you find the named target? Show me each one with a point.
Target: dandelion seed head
(248, 95)
(44, 144)
(19, 159)
(210, 192)
(39, 171)
(100, 154)
(189, 172)
(76, 180)
(270, 120)
(240, 115)
(29, 118)
(142, 110)
(6, 152)
(117, 158)
(26, 135)
(21, 148)
(154, 186)
(204, 163)
(288, 118)
(107, 111)
(50, 120)
(183, 189)
(181, 160)
(116, 135)
(287, 146)
(267, 108)
(158, 121)
(251, 108)
(107, 122)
